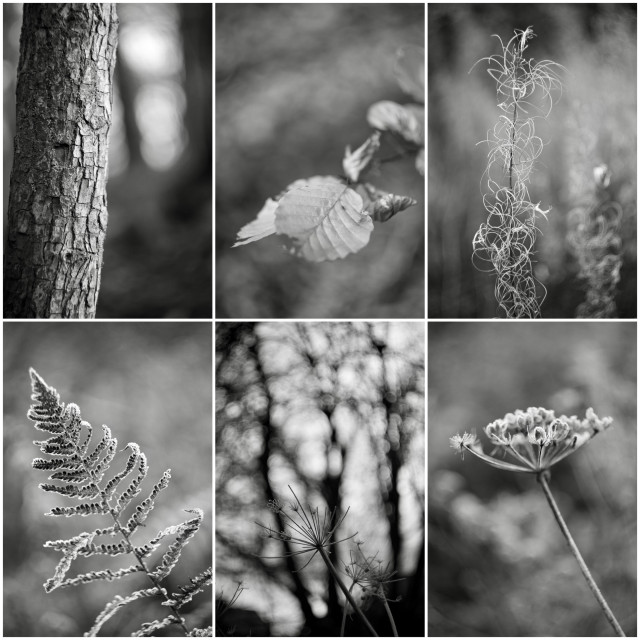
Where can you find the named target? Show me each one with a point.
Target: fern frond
(145, 507)
(107, 446)
(134, 487)
(195, 586)
(107, 549)
(55, 463)
(107, 574)
(83, 467)
(71, 491)
(149, 628)
(85, 509)
(55, 446)
(71, 550)
(76, 475)
(185, 532)
(134, 458)
(112, 608)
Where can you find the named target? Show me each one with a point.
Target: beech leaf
(355, 162)
(326, 220)
(405, 120)
(313, 180)
(261, 227)
(388, 205)
(380, 205)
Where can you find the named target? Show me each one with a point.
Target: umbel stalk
(346, 591)
(543, 480)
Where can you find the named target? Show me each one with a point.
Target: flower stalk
(544, 483)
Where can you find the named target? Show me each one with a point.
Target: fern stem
(344, 589)
(542, 479)
(155, 582)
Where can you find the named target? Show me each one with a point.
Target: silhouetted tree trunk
(197, 49)
(128, 85)
(57, 196)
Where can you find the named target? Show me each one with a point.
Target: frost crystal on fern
(82, 466)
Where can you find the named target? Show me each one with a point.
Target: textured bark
(57, 198)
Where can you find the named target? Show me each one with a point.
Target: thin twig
(389, 614)
(343, 625)
(542, 479)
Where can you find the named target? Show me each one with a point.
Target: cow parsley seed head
(370, 575)
(306, 530)
(534, 439)
(462, 442)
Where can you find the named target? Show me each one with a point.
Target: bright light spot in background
(307, 432)
(310, 456)
(241, 489)
(159, 109)
(151, 45)
(152, 49)
(318, 606)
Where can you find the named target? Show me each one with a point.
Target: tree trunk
(57, 196)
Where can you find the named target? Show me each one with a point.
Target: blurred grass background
(593, 122)
(293, 85)
(151, 384)
(498, 564)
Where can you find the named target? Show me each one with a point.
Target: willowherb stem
(505, 242)
(594, 236)
(543, 480)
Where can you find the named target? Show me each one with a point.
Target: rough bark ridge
(57, 199)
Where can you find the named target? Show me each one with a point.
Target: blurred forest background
(151, 384)
(498, 563)
(337, 412)
(594, 122)
(157, 260)
(293, 86)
